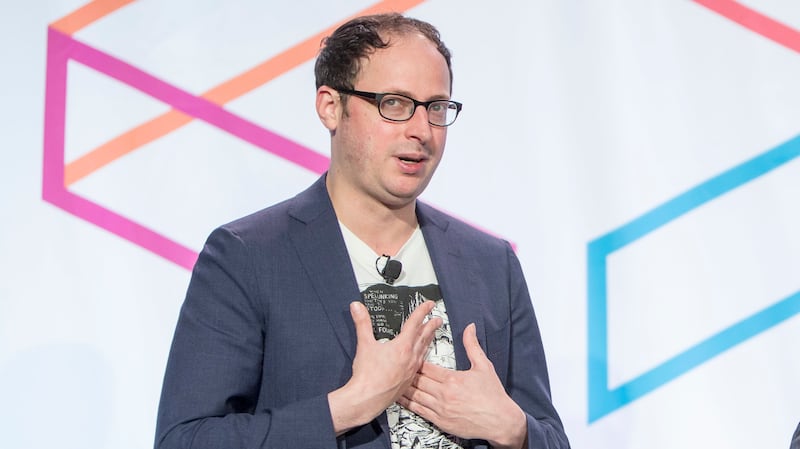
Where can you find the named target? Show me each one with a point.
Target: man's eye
(395, 104)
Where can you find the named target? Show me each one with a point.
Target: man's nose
(418, 124)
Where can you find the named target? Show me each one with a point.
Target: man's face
(391, 162)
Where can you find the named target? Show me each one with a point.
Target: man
(299, 331)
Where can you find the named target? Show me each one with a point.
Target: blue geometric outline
(601, 400)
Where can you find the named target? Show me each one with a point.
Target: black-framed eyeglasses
(400, 108)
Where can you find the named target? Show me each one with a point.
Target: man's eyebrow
(410, 95)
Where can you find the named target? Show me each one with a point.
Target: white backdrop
(641, 155)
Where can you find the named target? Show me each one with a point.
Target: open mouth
(410, 160)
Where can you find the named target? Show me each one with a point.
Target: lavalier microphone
(391, 269)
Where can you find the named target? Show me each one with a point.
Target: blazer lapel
(458, 279)
(316, 235)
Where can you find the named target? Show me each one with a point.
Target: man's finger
(362, 321)
(418, 315)
(429, 329)
(474, 352)
(433, 372)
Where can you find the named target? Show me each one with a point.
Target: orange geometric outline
(221, 94)
(87, 14)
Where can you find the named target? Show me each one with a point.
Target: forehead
(411, 63)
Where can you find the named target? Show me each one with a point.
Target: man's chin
(398, 198)
(408, 192)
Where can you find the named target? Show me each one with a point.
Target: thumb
(362, 322)
(474, 352)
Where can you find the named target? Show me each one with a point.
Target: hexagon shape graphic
(62, 47)
(603, 400)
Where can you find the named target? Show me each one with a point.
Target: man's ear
(329, 107)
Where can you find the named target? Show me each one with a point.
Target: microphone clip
(391, 269)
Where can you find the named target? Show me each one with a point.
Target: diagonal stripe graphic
(221, 94)
(756, 22)
(57, 176)
(88, 14)
(601, 399)
(192, 106)
(61, 48)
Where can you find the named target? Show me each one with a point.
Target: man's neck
(383, 228)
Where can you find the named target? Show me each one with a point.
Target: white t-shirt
(389, 306)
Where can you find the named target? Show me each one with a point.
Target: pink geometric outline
(60, 49)
(755, 21)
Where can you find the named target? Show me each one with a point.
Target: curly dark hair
(339, 60)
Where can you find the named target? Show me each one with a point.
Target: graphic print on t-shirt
(389, 307)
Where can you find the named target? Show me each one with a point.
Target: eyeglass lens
(396, 107)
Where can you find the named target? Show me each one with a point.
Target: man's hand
(469, 404)
(381, 371)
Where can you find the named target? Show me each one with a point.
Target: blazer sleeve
(528, 382)
(213, 378)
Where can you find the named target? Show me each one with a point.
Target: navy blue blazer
(265, 332)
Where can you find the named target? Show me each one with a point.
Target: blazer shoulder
(275, 221)
(260, 224)
(459, 232)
